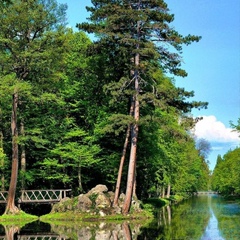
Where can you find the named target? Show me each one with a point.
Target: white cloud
(215, 131)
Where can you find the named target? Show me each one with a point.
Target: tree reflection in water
(186, 220)
(99, 231)
(88, 231)
(227, 212)
(195, 218)
(10, 231)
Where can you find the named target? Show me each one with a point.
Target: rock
(117, 210)
(102, 225)
(98, 189)
(65, 199)
(102, 234)
(102, 201)
(64, 205)
(111, 196)
(122, 197)
(84, 233)
(121, 200)
(84, 203)
(97, 201)
(102, 214)
(136, 205)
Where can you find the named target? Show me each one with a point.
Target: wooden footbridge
(37, 196)
(41, 237)
(206, 192)
(36, 237)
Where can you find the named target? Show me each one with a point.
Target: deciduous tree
(30, 32)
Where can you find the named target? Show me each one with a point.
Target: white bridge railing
(42, 196)
(37, 196)
(40, 237)
(206, 192)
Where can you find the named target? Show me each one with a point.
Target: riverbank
(96, 205)
(20, 219)
(197, 217)
(145, 211)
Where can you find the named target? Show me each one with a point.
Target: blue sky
(213, 64)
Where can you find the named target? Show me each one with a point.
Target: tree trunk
(2, 163)
(168, 190)
(134, 137)
(169, 215)
(10, 207)
(80, 179)
(164, 215)
(115, 202)
(23, 158)
(10, 232)
(116, 194)
(163, 192)
(134, 194)
(126, 231)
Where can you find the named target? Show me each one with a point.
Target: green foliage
(75, 151)
(226, 178)
(74, 97)
(168, 156)
(236, 127)
(122, 21)
(155, 203)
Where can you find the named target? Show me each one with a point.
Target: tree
(29, 34)
(139, 31)
(225, 177)
(236, 127)
(75, 152)
(3, 159)
(3, 3)
(204, 147)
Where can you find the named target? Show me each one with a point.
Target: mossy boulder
(84, 203)
(97, 201)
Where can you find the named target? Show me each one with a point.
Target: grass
(88, 217)
(149, 206)
(20, 219)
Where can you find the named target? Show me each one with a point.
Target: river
(207, 217)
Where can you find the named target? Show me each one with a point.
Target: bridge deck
(36, 237)
(207, 192)
(40, 237)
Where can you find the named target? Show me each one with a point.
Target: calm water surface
(208, 217)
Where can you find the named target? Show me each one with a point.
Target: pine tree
(136, 34)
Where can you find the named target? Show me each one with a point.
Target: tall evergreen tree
(136, 33)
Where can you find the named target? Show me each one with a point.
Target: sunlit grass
(21, 218)
(76, 216)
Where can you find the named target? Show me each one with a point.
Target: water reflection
(227, 213)
(10, 232)
(99, 231)
(186, 220)
(212, 231)
(87, 231)
(204, 218)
